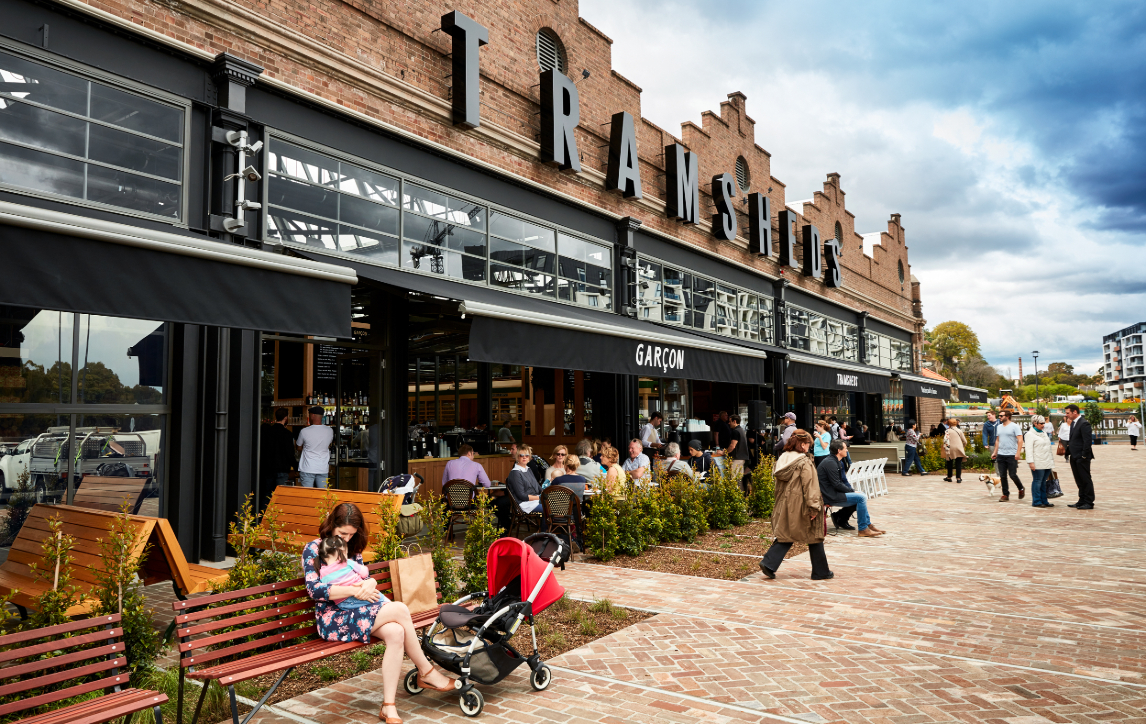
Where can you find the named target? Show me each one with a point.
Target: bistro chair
(520, 517)
(460, 496)
(561, 512)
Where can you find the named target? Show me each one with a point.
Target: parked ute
(14, 464)
(102, 452)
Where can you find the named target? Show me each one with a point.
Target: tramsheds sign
(560, 114)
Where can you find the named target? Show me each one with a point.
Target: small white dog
(992, 481)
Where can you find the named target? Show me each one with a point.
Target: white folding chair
(881, 477)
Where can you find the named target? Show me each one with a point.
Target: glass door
(358, 421)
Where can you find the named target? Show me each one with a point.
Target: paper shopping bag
(413, 580)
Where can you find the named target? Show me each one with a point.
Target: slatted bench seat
(298, 512)
(110, 494)
(233, 637)
(164, 562)
(88, 656)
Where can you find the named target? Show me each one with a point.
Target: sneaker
(923, 473)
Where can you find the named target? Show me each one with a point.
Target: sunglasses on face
(560, 455)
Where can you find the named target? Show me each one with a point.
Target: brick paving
(968, 610)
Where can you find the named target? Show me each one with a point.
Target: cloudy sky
(1010, 135)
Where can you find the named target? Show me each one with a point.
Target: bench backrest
(299, 507)
(85, 656)
(110, 493)
(86, 526)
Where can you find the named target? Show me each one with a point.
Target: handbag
(1060, 450)
(1054, 490)
(413, 582)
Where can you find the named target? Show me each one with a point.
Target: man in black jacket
(837, 493)
(1078, 447)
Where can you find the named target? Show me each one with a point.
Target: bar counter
(431, 469)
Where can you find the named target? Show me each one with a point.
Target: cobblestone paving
(968, 610)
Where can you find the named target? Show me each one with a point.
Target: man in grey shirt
(1008, 447)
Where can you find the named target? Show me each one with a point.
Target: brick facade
(389, 63)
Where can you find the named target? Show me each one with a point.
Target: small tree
(601, 531)
(52, 605)
(329, 500)
(724, 501)
(483, 531)
(20, 503)
(688, 496)
(445, 566)
(762, 495)
(385, 539)
(1093, 413)
(120, 591)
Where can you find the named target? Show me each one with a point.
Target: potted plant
(1094, 414)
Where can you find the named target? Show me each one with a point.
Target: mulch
(718, 554)
(564, 626)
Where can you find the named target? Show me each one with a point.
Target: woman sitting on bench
(383, 618)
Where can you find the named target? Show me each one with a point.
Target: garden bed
(719, 554)
(564, 626)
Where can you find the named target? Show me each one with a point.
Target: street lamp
(1036, 354)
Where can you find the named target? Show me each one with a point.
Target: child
(337, 570)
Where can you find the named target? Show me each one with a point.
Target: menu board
(325, 367)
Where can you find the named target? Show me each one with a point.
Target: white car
(15, 463)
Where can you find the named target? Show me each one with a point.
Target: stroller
(402, 484)
(474, 645)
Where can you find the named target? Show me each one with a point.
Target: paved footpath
(968, 610)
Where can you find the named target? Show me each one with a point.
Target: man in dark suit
(1078, 446)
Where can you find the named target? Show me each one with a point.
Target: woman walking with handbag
(954, 449)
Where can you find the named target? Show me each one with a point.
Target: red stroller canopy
(509, 558)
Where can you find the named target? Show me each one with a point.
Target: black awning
(967, 394)
(937, 390)
(821, 377)
(504, 341)
(51, 270)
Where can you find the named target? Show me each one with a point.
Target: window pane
(35, 356)
(585, 295)
(303, 197)
(649, 290)
(467, 240)
(542, 261)
(303, 164)
(506, 251)
(285, 226)
(437, 260)
(522, 231)
(135, 152)
(440, 233)
(572, 268)
(40, 171)
(365, 213)
(122, 361)
(579, 249)
(24, 79)
(464, 213)
(424, 201)
(128, 191)
(128, 110)
(522, 280)
(376, 247)
(368, 185)
(42, 128)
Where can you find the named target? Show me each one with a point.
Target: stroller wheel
(540, 678)
(411, 683)
(471, 702)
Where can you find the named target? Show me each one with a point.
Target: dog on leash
(992, 481)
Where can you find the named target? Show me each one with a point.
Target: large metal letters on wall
(560, 114)
(682, 184)
(724, 220)
(623, 173)
(468, 37)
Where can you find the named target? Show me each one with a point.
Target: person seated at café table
(699, 460)
(556, 463)
(650, 437)
(465, 468)
(614, 473)
(637, 463)
(521, 481)
(572, 479)
(589, 468)
(673, 465)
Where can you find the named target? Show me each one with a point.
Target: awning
(924, 387)
(54, 260)
(825, 374)
(972, 394)
(518, 329)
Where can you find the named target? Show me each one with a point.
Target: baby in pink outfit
(338, 570)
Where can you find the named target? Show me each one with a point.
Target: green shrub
(483, 531)
(166, 681)
(446, 568)
(120, 590)
(631, 529)
(601, 531)
(724, 502)
(254, 566)
(325, 673)
(931, 453)
(384, 538)
(762, 496)
(688, 497)
(52, 605)
(361, 660)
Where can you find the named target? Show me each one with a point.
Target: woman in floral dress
(383, 618)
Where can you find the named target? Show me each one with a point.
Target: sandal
(389, 719)
(423, 685)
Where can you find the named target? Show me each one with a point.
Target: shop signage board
(936, 390)
(503, 341)
(819, 377)
(966, 395)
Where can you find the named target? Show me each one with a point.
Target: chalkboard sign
(325, 368)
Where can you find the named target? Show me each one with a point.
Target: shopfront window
(821, 335)
(883, 351)
(649, 291)
(585, 269)
(893, 410)
(66, 135)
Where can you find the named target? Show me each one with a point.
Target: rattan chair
(520, 517)
(460, 496)
(561, 512)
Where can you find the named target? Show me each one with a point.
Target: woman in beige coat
(954, 449)
(798, 514)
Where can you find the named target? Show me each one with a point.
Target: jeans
(859, 500)
(911, 456)
(1038, 487)
(312, 480)
(1007, 464)
(282, 478)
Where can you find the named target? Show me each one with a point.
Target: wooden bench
(60, 662)
(299, 513)
(232, 637)
(164, 562)
(110, 493)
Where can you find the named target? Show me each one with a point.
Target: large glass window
(585, 272)
(821, 335)
(883, 351)
(66, 135)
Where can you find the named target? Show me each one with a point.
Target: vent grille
(840, 238)
(743, 178)
(550, 53)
